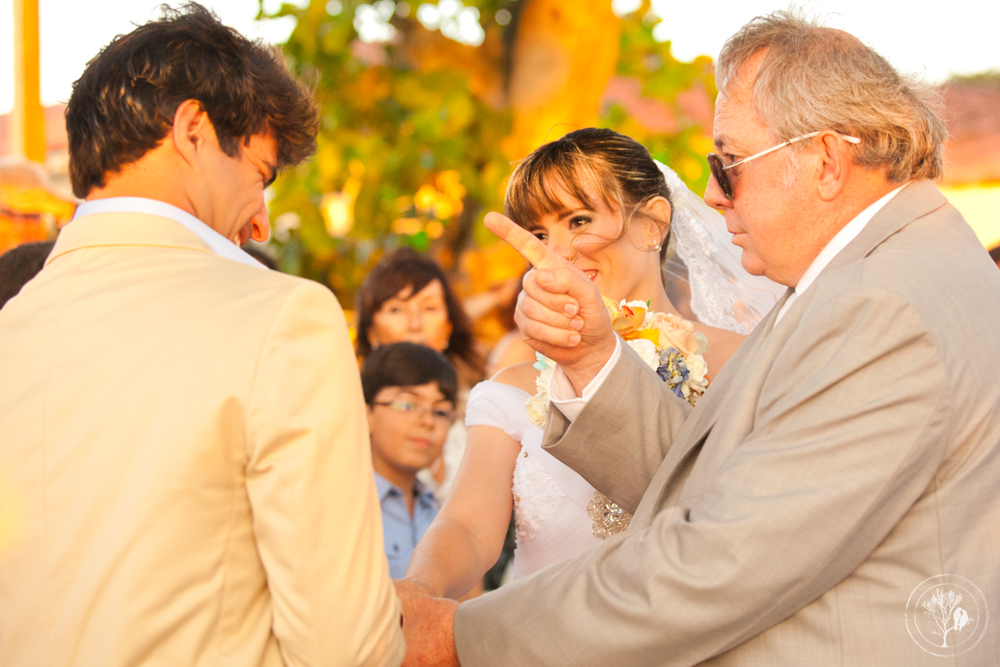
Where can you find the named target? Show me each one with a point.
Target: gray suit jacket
(840, 459)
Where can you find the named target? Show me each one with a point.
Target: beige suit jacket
(184, 449)
(841, 458)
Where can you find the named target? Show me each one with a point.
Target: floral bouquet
(668, 343)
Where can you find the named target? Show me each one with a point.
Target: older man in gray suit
(832, 500)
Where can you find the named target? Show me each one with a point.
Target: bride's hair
(619, 169)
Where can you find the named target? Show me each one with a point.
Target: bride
(598, 199)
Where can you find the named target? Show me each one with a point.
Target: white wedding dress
(550, 499)
(558, 513)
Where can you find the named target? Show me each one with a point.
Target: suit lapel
(914, 201)
(672, 472)
(707, 412)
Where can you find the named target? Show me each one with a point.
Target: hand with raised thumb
(560, 312)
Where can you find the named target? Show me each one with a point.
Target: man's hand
(428, 626)
(560, 312)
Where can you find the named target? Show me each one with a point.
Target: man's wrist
(583, 373)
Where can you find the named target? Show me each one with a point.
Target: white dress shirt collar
(219, 244)
(840, 241)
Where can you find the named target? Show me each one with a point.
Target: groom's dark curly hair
(124, 103)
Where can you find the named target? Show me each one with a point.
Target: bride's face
(623, 266)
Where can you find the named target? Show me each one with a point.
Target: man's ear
(191, 130)
(657, 220)
(835, 158)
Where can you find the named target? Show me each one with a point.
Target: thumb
(523, 241)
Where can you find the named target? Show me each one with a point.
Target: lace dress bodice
(550, 499)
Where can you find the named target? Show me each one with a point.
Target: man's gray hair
(816, 78)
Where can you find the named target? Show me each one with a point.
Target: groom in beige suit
(184, 457)
(836, 489)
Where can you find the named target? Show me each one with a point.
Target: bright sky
(932, 38)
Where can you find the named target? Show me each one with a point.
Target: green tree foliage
(388, 129)
(410, 146)
(685, 92)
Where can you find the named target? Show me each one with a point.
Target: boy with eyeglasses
(410, 391)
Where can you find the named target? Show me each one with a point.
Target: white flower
(646, 351)
(542, 381)
(703, 341)
(697, 368)
(537, 406)
(634, 304)
(538, 410)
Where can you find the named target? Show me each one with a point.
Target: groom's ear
(190, 130)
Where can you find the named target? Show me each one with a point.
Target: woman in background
(407, 298)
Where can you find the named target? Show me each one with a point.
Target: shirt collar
(218, 243)
(385, 488)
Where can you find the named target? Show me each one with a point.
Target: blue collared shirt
(400, 531)
(219, 244)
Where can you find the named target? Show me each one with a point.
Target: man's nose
(714, 196)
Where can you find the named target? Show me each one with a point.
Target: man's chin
(752, 264)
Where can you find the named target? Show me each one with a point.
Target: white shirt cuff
(564, 397)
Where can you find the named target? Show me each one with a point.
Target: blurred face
(237, 185)
(408, 428)
(420, 318)
(769, 215)
(622, 268)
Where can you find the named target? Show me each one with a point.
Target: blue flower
(673, 370)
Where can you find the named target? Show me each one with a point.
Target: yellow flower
(629, 319)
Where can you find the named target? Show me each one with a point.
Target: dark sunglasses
(719, 169)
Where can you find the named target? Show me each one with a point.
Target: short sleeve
(499, 405)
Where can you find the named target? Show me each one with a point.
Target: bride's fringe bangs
(535, 187)
(583, 164)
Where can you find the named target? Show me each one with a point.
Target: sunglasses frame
(719, 169)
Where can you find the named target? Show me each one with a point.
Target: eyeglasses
(719, 169)
(441, 417)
